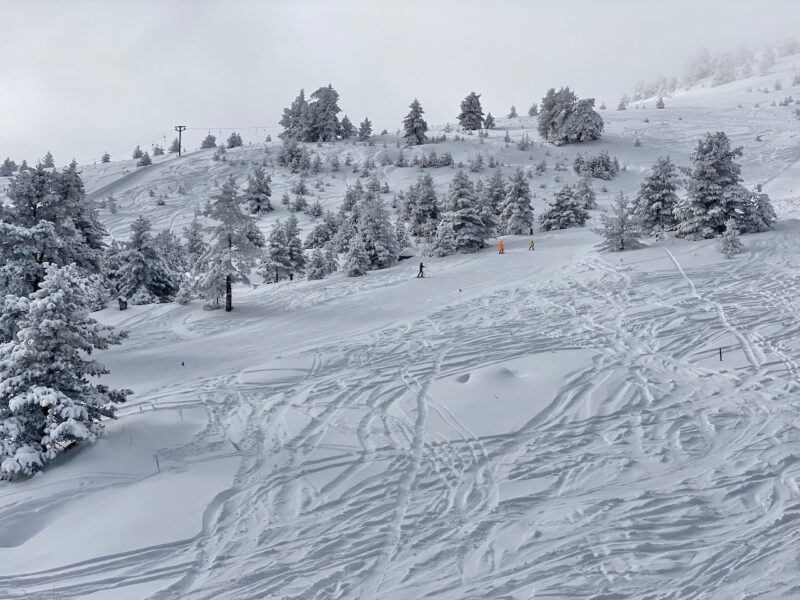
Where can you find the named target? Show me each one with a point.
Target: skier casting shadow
(421, 271)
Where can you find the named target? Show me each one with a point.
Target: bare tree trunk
(228, 294)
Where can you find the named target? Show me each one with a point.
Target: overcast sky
(83, 76)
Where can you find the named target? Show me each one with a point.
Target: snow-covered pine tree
(195, 241)
(471, 116)
(347, 128)
(48, 400)
(377, 233)
(512, 114)
(158, 150)
(463, 211)
(317, 265)
(144, 160)
(210, 141)
(563, 212)
(555, 109)
(331, 258)
(47, 219)
(517, 210)
(234, 140)
(365, 130)
(654, 205)
(142, 266)
(444, 241)
(24, 164)
(414, 126)
(401, 234)
(488, 122)
(7, 168)
(424, 208)
(257, 193)
(295, 118)
(48, 162)
(496, 192)
(277, 264)
(175, 146)
(583, 124)
(660, 102)
(357, 262)
(323, 122)
(730, 242)
(137, 153)
(233, 248)
(620, 231)
(584, 193)
(294, 247)
(533, 110)
(713, 179)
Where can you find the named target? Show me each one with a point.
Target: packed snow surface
(548, 424)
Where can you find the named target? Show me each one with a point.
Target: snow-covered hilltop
(559, 423)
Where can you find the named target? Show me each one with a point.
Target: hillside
(555, 424)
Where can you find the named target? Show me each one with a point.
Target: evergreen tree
(137, 153)
(331, 258)
(195, 241)
(488, 122)
(294, 156)
(512, 114)
(47, 219)
(106, 158)
(533, 110)
(347, 128)
(583, 124)
(660, 102)
(654, 205)
(730, 243)
(323, 122)
(24, 165)
(563, 212)
(143, 267)
(414, 126)
(464, 214)
(295, 118)
(257, 193)
(158, 150)
(294, 247)
(365, 130)
(233, 249)
(175, 146)
(48, 400)
(7, 168)
(620, 231)
(713, 181)
(377, 233)
(401, 235)
(144, 160)
(317, 265)
(424, 207)
(496, 192)
(471, 116)
(357, 262)
(208, 142)
(444, 242)
(584, 193)
(234, 140)
(517, 210)
(278, 262)
(48, 162)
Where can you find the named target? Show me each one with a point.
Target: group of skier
(500, 246)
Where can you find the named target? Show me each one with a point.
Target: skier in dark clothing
(421, 271)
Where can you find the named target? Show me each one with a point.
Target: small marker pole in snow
(158, 466)
(720, 354)
(459, 295)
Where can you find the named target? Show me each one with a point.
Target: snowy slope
(554, 424)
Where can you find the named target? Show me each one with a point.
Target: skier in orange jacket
(502, 247)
